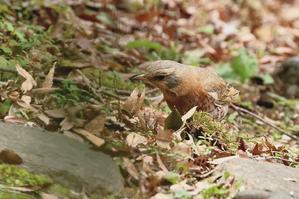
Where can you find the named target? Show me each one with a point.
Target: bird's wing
(215, 86)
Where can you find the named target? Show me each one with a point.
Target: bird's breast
(196, 97)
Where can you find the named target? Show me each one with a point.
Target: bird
(185, 87)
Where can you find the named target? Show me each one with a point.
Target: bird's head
(163, 74)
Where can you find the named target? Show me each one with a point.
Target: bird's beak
(138, 77)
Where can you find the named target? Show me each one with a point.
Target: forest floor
(65, 66)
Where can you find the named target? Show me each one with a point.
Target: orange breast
(193, 98)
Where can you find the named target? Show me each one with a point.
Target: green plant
(70, 94)
(215, 191)
(154, 50)
(14, 176)
(242, 67)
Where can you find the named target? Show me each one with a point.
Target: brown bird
(186, 86)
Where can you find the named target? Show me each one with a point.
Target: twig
(243, 110)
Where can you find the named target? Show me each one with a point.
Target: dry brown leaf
(164, 138)
(182, 149)
(134, 139)
(161, 164)
(48, 82)
(90, 137)
(48, 196)
(181, 186)
(44, 118)
(265, 33)
(14, 96)
(14, 119)
(290, 13)
(66, 124)
(162, 196)
(96, 125)
(26, 99)
(29, 82)
(134, 102)
(130, 168)
(44, 90)
(56, 113)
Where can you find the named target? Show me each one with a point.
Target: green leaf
(3, 62)
(267, 78)
(231, 118)
(207, 29)
(173, 121)
(182, 194)
(172, 177)
(226, 72)
(9, 26)
(244, 64)
(105, 18)
(6, 50)
(144, 43)
(20, 35)
(192, 57)
(4, 107)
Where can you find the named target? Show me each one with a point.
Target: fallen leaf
(173, 121)
(161, 164)
(182, 149)
(98, 142)
(134, 139)
(44, 118)
(48, 82)
(48, 196)
(66, 124)
(29, 82)
(242, 145)
(134, 102)
(130, 168)
(56, 113)
(164, 138)
(26, 99)
(96, 125)
(181, 186)
(162, 196)
(257, 149)
(189, 114)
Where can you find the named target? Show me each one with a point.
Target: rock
(288, 77)
(262, 179)
(66, 160)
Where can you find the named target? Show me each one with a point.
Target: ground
(65, 66)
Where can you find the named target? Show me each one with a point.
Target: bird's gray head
(162, 74)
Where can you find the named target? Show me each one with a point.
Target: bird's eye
(159, 77)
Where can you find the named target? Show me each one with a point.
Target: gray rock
(67, 161)
(263, 179)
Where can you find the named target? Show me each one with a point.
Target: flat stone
(66, 160)
(263, 179)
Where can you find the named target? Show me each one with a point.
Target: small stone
(10, 157)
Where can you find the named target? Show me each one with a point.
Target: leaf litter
(92, 46)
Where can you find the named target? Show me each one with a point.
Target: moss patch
(15, 176)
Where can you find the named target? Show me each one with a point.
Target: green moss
(15, 176)
(63, 192)
(215, 191)
(220, 131)
(207, 123)
(59, 190)
(14, 195)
